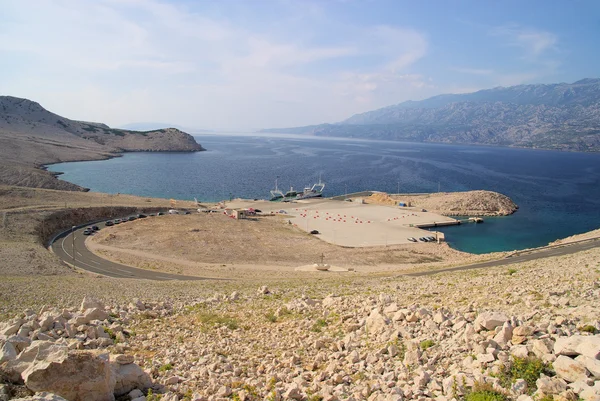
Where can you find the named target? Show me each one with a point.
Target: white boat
(315, 191)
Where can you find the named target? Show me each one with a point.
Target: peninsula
(31, 136)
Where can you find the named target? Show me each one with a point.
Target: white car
(173, 211)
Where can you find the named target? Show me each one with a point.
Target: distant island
(556, 116)
(31, 136)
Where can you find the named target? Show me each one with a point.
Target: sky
(250, 64)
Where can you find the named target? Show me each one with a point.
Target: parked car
(314, 232)
(141, 216)
(88, 231)
(95, 228)
(131, 218)
(109, 223)
(160, 214)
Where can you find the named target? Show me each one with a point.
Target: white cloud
(118, 61)
(534, 42)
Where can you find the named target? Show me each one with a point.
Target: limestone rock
(77, 376)
(129, 377)
(592, 365)
(550, 385)
(90, 303)
(569, 369)
(578, 345)
(8, 353)
(376, 322)
(490, 320)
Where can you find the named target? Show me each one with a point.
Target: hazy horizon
(239, 66)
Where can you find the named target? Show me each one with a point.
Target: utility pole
(399, 188)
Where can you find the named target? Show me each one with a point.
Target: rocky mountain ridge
(557, 116)
(31, 136)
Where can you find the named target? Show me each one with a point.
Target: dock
(476, 220)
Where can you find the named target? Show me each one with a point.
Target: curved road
(523, 256)
(70, 247)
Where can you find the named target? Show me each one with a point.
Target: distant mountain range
(555, 116)
(31, 136)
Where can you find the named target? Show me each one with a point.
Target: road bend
(71, 248)
(520, 257)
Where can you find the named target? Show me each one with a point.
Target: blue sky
(248, 64)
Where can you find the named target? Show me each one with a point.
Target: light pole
(73, 237)
(399, 188)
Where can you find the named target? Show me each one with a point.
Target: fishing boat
(276, 194)
(315, 191)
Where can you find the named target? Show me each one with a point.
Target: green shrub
(484, 392)
(165, 367)
(528, 369)
(212, 319)
(511, 271)
(588, 328)
(426, 344)
(319, 324)
(271, 317)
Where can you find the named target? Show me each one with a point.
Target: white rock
(519, 387)
(505, 334)
(490, 320)
(8, 353)
(376, 322)
(135, 394)
(578, 345)
(524, 397)
(519, 351)
(8, 329)
(129, 377)
(79, 375)
(550, 385)
(569, 369)
(592, 365)
(293, 393)
(90, 303)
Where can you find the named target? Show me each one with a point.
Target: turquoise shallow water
(558, 192)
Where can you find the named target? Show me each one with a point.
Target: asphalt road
(525, 256)
(71, 248)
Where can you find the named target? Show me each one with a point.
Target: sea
(558, 193)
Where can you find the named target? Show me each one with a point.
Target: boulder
(490, 320)
(376, 322)
(591, 364)
(76, 376)
(90, 303)
(578, 345)
(569, 369)
(8, 353)
(550, 385)
(129, 377)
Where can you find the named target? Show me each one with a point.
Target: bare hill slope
(31, 136)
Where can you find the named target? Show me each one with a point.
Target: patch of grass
(528, 369)
(271, 317)
(426, 344)
(511, 271)
(166, 367)
(212, 319)
(484, 392)
(588, 328)
(318, 326)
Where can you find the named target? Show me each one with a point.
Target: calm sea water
(558, 193)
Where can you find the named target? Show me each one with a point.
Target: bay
(558, 192)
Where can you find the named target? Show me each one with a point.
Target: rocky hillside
(470, 203)
(556, 116)
(31, 136)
